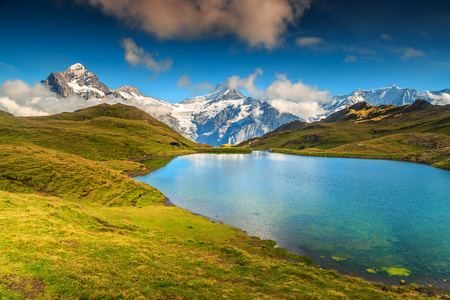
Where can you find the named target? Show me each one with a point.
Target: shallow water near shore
(379, 220)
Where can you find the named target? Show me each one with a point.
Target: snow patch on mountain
(84, 89)
(225, 115)
(392, 95)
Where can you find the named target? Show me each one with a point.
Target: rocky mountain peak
(222, 85)
(76, 70)
(78, 80)
(226, 91)
(129, 89)
(79, 74)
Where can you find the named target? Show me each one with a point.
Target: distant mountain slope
(389, 95)
(101, 132)
(76, 79)
(360, 122)
(292, 125)
(224, 115)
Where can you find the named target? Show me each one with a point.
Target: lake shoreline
(388, 281)
(392, 157)
(428, 289)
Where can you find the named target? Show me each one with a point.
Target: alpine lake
(376, 219)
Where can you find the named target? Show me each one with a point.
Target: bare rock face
(57, 83)
(129, 89)
(77, 80)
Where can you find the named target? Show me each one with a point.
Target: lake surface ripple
(368, 218)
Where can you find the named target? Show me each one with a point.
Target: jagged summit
(387, 95)
(130, 90)
(222, 85)
(224, 115)
(222, 91)
(225, 91)
(76, 69)
(77, 80)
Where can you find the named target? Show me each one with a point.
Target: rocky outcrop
(417, 105)
(77, 80)
(57, 84)
(129, 89)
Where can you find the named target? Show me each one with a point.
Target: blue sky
(338, 45)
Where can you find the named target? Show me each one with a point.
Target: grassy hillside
(33, 169)
(416, 132)
(73, 225)
(57, 249)
(101, 132)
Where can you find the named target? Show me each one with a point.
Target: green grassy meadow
(74, 225)
(387, 132)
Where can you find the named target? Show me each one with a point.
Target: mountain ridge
(357, 123)
(99, 132)
(222, 116)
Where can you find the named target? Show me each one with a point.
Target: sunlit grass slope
(73, 225)
(53, 248)
(426, 148)
(31, 169)
(412, 132)
(101, 132)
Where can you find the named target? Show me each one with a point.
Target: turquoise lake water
(353, 215)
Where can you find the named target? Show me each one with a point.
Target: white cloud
(315, 44)
(297, 98)
(441, 99)
(350, 58)
(138, 56)
(257, 22)
(21, 99)
(407, 53)
(308, 42)
(248, 83)
(257, 112)
(9, 105)
(185, 82)
(308, 111)
(386, 37)
(283, 88)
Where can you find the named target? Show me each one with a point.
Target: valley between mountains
(74, 225)
(224, 115)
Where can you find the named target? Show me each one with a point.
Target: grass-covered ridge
(32, 169)
(74, 225)
(418, 133)
(100, 132)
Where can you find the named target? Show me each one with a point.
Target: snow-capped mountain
(387, 95)
(77, 80)
(224, 115)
